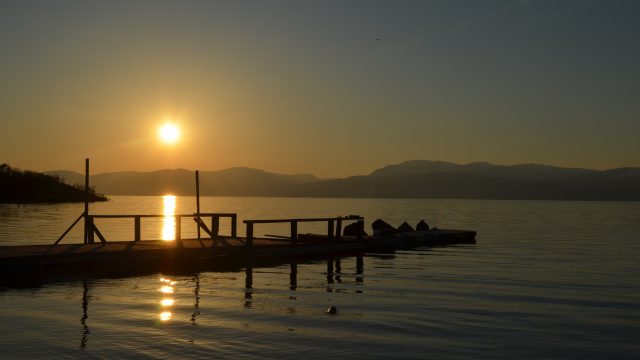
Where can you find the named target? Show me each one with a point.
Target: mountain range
(410, 179)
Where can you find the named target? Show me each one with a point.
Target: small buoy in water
(332, 310)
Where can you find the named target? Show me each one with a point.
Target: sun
(169, 133)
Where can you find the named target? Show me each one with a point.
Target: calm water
(545, 280)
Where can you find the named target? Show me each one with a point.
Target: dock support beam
(234, 225)
(88, 229)
(88, 223)
(294, 233)
(249, 240)
(137, 228)
(330, 233)
(215, 226)
(198, 200)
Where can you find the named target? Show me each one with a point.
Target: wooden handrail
(293, 238)
(110, 216)
(92, 229)
(267, 221)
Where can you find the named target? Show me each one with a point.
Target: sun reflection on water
(166, 287)
(167, 281)
(165, 316)
(167, 302)
(169, 221)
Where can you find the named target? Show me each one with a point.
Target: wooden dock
(120, 257)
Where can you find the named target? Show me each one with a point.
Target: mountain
(411, 179)
(436, 179)
(522, 171)
(23, 187)
(238, 181)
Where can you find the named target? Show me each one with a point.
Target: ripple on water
(545, 280)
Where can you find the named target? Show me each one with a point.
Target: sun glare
(169, 220)
(169, 133)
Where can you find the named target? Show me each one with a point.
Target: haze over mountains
(410, 179)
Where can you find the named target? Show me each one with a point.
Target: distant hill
(436, 179)
(22, 187)
(522, 171)
(411, 179)
(237, 181)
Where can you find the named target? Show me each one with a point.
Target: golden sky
(333, 88)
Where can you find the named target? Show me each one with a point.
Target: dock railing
(92, 230)
(334, 228)
(334, 225)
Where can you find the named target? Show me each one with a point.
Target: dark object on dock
(352, 230)
(381, 227)
(404, 228)
(422, 226)
(332, 310)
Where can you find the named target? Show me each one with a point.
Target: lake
(546, 279)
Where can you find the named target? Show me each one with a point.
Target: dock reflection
(334, 275)
(167, 288)
(85, 315)
(293, 276)
(248, 286)
(196, 295)
(334, 271)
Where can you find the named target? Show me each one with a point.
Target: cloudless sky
(333, 88)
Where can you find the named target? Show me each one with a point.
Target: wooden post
(137, 228)
(90, 229)
(234, 225)
(294, 233)
(215, 225)
(249, 242)
(198, 200)
(330, 235)
(360, 230)
(338, 228)
(87, 228)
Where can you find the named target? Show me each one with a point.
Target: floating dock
(216, 250)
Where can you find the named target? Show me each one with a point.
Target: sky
(332, 88)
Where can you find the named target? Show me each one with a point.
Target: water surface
(546, 279)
